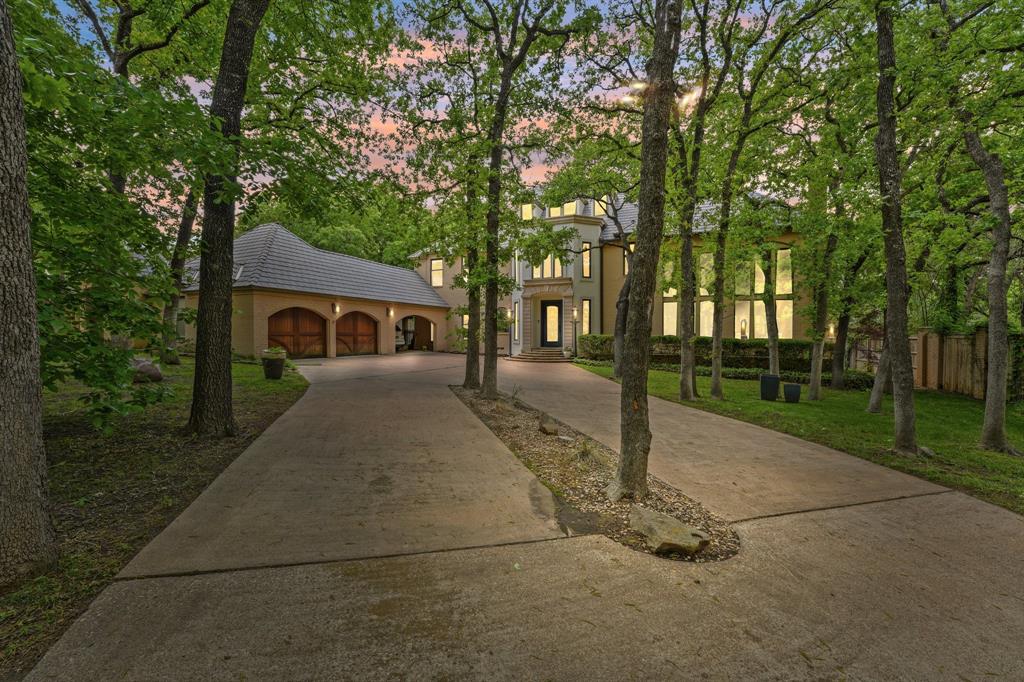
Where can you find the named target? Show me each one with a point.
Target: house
(557, 301)
(317, 303)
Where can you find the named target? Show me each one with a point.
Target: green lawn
(112, 493)
(948, 424)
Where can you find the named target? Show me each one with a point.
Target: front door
(551, 324)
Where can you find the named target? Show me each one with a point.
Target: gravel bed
(577, 469)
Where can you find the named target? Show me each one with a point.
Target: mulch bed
(578, 469)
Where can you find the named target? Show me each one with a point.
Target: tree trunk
(897, 288)
(631, 477)
(839, 351)
(993, 429)
(472, 378)
(211, 396)
(821, 318)
(687, 297)
(168, 349)
(883, 380)
(770, 313)
(621, 313)
(27, 543)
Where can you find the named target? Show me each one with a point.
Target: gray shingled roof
(271, 257)
(702, 220)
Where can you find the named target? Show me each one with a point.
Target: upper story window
(526, 211)
(569, 208)
(555, 212)
(436, 272)
(585, 260)
(599, 206)
(550, 267)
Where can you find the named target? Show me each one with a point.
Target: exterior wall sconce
(336, 308)
(575, 313)
(743, 329)
(391, 311)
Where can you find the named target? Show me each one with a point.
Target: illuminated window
(758, 279)
(431, 332)
(585, 260)
(465, 268)
(436, 272)
(784, 311)
(625, 259)
(515, 320)
(670, 317)
(557, 272)
(569, 208)
(585, 315)
(465, 321)
(555, 212)
(784, 272)
(705, 317)
(526, 211)
(599, 205)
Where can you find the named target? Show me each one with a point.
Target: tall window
(585, 260)
(585, 315)
(550, 267)
(670, 317)
(436, 272)
(750, 318)
(465, 320)
(515, 320)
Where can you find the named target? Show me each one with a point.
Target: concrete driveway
(379, 531)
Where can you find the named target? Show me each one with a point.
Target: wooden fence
(957, 363)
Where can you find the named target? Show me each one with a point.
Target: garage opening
(299, 331)
(414, 332)
(356, 334)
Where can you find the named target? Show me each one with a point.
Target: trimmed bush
(794, 355)
(856, 380)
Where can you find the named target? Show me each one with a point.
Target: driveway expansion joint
(840, 506)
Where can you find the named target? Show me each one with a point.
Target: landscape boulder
(548, 425)
(664, 534)
(146, 371)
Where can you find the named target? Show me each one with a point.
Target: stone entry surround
(536, 292)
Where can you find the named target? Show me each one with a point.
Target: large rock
(548, 425)
(146, 371)
(666, 535)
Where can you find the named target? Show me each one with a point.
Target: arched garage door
(356, 334)
(299, 331)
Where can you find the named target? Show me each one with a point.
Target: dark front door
(551, 324)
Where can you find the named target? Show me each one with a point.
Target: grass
(948, 424)
(111, 493)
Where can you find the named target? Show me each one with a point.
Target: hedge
(856, 380)
(794, 355)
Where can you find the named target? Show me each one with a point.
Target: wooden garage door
(299, 331)
(356, 334)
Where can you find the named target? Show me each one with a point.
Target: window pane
(706, 273)
(784, 309)
(551, 328)
(436, 272)
(743, 278)
(706, 318)
(558, 268)
(760, 321)
(742, 327)
(671, 292)
(599, 206)
(569, 208)
(555, 212)
(784, 275)
(527, 211)
(465, 321)
(586, 316)
(670, 317)
(585, 259)
(758, 278)
(515, 320)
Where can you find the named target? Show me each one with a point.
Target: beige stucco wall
(253, 307)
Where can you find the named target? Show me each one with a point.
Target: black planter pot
(273, 368)
(792, 393)
(769, 386)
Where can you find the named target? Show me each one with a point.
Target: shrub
(794, 354)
